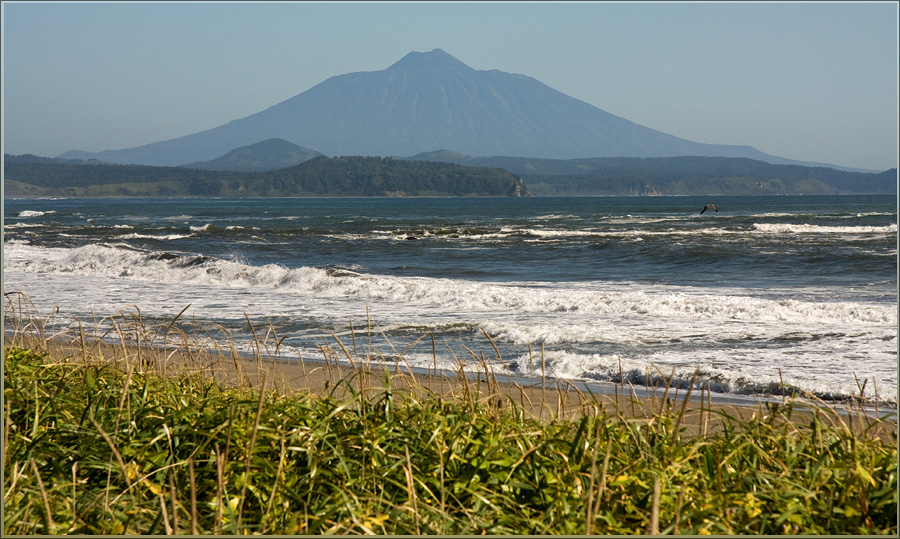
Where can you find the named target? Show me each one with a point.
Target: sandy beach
(330, 375)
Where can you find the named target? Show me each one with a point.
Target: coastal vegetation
(112, 439)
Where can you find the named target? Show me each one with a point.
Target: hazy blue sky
(809, 81)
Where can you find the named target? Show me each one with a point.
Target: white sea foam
(621, 299)
(774, 214)
(636, 234)
(551, 233)
(783, 228)
(760, 372)
(24, 214)
(137, 236)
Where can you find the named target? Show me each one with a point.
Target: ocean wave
(514, 233)
(137, 236)
(24, 214)
(615, 369)
(553, 234)
(784, 228)
(549, 233)
(620, 300)
(618, 370)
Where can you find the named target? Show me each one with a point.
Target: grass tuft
(310, 464)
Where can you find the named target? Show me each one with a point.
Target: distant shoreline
(122, 197)
(444, 175)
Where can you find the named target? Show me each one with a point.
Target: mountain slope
(269, 154)
(424, 102)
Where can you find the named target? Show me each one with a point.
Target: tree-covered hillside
(375, 176)
(791, 180)
(675, 175)
(321, 176)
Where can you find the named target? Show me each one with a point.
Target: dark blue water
(645, 239)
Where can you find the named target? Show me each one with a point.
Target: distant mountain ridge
(443, 173)
(269, 154)
(674, 175)
(424, 102)
(31, 158)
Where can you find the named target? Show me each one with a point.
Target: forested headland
(321, 176)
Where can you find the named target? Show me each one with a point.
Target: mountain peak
(268, 154)
(429, 100)
(437, 59)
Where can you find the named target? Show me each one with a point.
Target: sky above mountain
(808, 81)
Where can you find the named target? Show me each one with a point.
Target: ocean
(768, 289)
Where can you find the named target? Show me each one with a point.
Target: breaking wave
(781, 228)
(621, 300)
(34, 213)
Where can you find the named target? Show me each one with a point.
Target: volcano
(426, 102)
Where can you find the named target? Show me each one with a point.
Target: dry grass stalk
(653, 528)
(220, 489)
(543, 380)
(195, 529)
(411, 487)
(48, 524)
(687, 399)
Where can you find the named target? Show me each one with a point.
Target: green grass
(106, 448)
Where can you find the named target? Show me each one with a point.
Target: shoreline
(704, 413)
